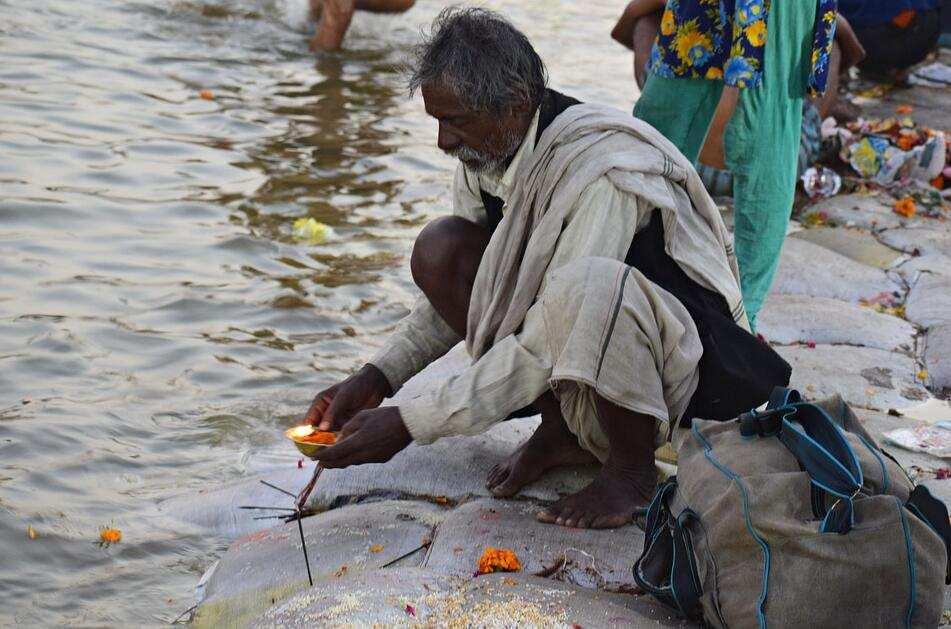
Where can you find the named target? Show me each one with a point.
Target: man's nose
(447, 140)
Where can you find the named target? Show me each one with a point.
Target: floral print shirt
(725, 40)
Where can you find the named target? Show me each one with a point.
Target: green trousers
(761, 141)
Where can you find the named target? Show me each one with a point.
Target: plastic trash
(930, 439)
(819, 182)
(867, 156)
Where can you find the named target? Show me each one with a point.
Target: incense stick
(303, 544)
(275, 487)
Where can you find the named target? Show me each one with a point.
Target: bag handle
(679, 586)
(819, 446)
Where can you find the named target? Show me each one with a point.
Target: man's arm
(623, 32)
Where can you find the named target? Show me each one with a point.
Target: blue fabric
(875, 12)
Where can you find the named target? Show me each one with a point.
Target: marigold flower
(905, 207)
(109, 535)
(498, 560)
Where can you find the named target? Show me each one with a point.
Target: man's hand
(370, 437)
(333, 407)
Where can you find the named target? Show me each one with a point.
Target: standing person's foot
(332, 25)
(552, 445)
(608, 502)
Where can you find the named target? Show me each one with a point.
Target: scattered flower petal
(498, 560)
(942, 473)
(905, 207)
(410, 610)
(811, 344)
(108, 535)
(923, 375)
(207, 95)
(300, 464)
(376, 548)
(904, 109)
(31, 532)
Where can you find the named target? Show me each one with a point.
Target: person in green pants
(726, 84)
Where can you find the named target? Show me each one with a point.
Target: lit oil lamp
(309, 440)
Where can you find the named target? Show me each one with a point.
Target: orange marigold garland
(498, 560)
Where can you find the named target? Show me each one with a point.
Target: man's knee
(448, 247)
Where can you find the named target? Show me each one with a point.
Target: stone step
(788, 319)
(937, 356)
(806, 268)
(872, 212)
(923, 240)
(392, 597)
(856, 244)
(268, 566)
(864, 377)
(595, 558)
(929, 301)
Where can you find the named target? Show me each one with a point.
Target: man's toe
(506, 488)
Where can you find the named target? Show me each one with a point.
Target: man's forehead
(441, 102)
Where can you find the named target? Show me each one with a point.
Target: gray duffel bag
(793, 517)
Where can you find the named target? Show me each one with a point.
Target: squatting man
(580, 261)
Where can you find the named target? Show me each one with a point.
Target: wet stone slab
(592, 558)
(806, 268)
(267, 566)
(872, 212)
(937, 356)
(788, 319)
(418, 596)
(929, 301)
(452, 470)
(856, 244)
(864, 377)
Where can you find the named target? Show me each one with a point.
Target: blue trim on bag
(708, 453)
(886, 478)
(858, 481)
(910, 554)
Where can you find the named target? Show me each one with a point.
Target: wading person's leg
(762, 145)
(333, 18)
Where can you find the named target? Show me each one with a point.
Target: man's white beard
(484, 164)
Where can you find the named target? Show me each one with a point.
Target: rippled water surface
(159, 324)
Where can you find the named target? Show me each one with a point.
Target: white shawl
(581, 145)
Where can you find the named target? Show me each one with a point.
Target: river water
(159, 323)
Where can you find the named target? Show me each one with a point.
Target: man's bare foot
(551, 445)
(607, 503)
(332, 25)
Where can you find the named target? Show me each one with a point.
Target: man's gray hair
(482, 59)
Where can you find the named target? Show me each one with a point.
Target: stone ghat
(429, 511)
